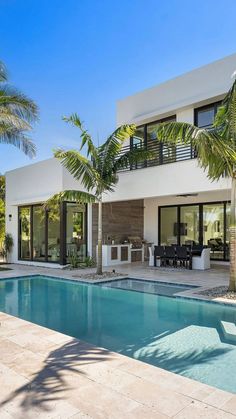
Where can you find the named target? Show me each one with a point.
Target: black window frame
(62, 258)
(145, 126)
(213, 105)
(64, 229)
(200, 232)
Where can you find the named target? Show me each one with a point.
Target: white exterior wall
(29, 185)
(156, 185)
(185, 115)
(35, 184)
(197, 86)
(169, 179)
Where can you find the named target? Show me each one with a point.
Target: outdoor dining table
(174, 258)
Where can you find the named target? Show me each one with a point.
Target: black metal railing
(161, 154)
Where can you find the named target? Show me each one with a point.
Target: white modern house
(167, 200)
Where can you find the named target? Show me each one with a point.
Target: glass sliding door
(53, 232)
(38, 233)
(227, 229)
(206, 224)
(213, 229)
(76, 231)
(189, 225)
(24, 233)
(169, 226)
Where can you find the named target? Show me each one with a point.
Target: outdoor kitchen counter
(116, 254)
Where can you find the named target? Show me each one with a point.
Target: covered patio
(196, 221)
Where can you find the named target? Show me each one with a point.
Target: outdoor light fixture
(186, 195)
(10, 217)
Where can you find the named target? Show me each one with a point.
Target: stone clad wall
(120, 220)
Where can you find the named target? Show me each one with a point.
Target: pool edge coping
(194, 297)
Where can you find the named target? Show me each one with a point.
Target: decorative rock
(222, 292)
(94, 276)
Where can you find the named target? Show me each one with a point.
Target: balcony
(162, 154)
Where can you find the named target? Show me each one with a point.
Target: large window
(204, 116)
(75, 231)
(169, 226)
(206, 224)
(213, 229)
(25, 233)
(38, 232)
(189, 224)
(145, 135)
(227, 230)
(161, 153)
(52, 236)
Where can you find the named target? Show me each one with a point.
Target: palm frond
(85, 136)
(3, 72)
(108, 182)
(79, 166)
(10, 120)
(110, 150)
(19, 140)
(116, 140)
(176, 132)
(214, 153)
(18, 103)
(226, 116)
(132, 157)
(71, 196)
(17, 112)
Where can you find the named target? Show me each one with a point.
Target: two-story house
(168, 199)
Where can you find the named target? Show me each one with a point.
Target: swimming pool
(149, 287)
(179, 335)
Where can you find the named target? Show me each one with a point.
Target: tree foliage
(2, 209)
(17, 113)
(216, 147)
(216, 153)
(98, 172)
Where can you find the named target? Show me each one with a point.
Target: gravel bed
(221, 292)
(94, 276)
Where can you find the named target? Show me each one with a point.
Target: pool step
(229, 330)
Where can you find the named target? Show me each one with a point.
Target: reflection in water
(178, 335)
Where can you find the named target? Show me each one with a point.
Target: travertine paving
(45, 374)
(217, 275)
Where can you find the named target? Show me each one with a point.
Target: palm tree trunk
(99, 255)
(232, 281)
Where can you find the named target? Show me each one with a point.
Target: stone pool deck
(45, 374)
(218, 275)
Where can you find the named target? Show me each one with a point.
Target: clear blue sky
(82, 55)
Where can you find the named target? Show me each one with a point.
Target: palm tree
(98, 171)
(17, 112)
(216, 153)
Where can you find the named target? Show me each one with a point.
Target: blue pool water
(179, 335)
(149, 287)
